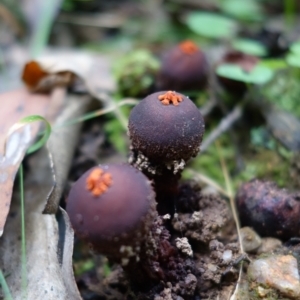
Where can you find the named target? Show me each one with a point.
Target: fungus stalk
(166, 130)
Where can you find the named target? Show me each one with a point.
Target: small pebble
(250, 239)
(268, 244)
(278, 273)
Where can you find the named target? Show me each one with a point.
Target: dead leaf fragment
(49, 273)
(65, 68)
(15, 140)
(61, 146)
(39, 79)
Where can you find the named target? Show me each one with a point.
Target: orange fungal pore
(188, 47)
(170, 97)
(98, 182)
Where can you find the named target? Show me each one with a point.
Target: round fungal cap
(166, 126)
(109, 205)
(184, 67)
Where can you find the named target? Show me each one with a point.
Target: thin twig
(225, 124)
(206, 109)
(107, 101)
(234, 213)
(98, 113)
(23, 237)
(230, 194)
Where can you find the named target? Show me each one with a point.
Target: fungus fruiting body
(183, 68)
(166, 126)
(271, 211)
(166, 130)
(110, 205)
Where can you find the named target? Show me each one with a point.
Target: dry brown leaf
(48, 270)
(49, 262)
(61, 146)
(14, 144)
(62, 68)
(66, 258)
(22, 103)
(39, 79)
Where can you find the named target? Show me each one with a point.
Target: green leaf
(211, 25)
(293, 60)
(258, 75)
(244, 10)
(5, 287)
(295, 48)
(274, 64)
(250, 47)
(40, 143)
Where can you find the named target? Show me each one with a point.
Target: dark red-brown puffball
(183, 68)
(110, 206)
(166, 126)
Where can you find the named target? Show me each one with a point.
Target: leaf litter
(13, 147)
(44, 182)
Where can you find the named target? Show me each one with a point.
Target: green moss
(135, 72)
(284, 91)
(208, 163)
(268, 162)
(116, 135)
(265, 164)
(83, 265)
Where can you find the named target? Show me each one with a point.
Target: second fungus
(109, 206)
(183, 68)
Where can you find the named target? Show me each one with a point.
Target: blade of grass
(46, 133)
(230, 193)
(23, 237)
(30, 119)
(5, 288)
(98, 113)
(33, 148)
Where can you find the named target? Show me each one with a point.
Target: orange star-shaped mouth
(170, 98)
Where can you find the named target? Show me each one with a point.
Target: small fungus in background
(183, 68)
